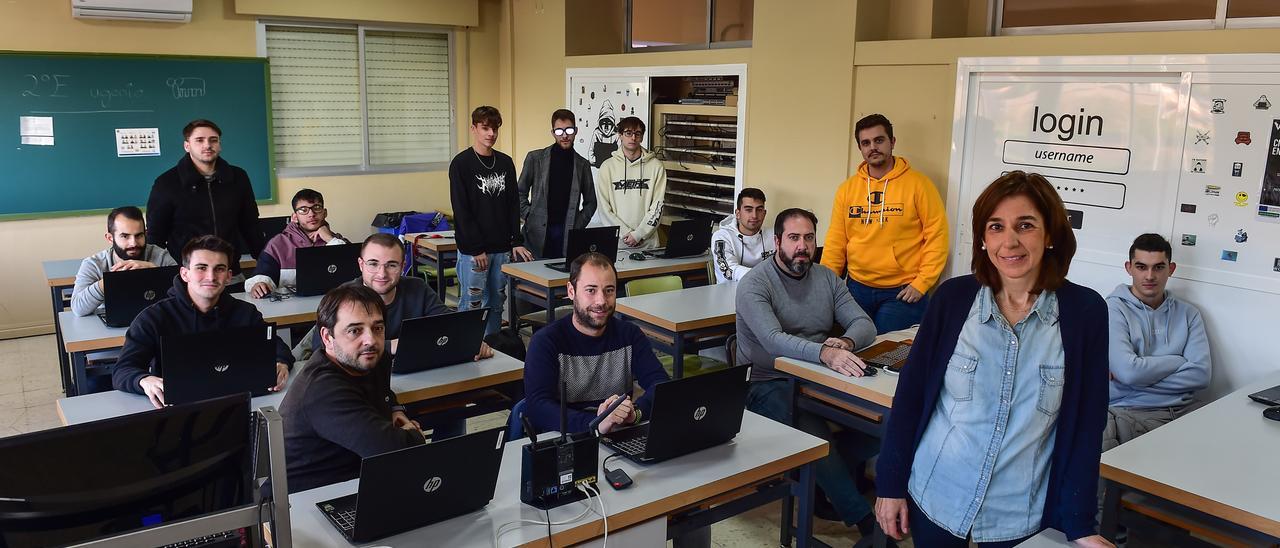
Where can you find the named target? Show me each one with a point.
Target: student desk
(1049, 538)
(82, 335)
(416, 387)
(534, 282)
(437, 250)
(764, 449)
(1220, 462)
(862, 403)
(696, 318)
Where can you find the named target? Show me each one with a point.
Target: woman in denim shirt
(996, 428)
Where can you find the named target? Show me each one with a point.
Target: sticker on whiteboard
(1213, 220)
(1219, 106)
(1237, 168)
(1197, 165)
(1243, 138)
(1229, 255)
(1188, 208)
(1276, 264)
(1212, 190)
(1188, 239)
(1242, 199)
(1202, 137)
(1241, 236)
(1262, 103)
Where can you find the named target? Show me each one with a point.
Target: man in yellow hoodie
(888, 231)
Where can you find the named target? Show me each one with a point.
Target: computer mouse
(870, 370)
(1272, 413)
(637, 256)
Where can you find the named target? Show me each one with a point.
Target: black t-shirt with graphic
(486, 213)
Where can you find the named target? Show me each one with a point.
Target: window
(347, 99)
(1057, 16)
(684, 24)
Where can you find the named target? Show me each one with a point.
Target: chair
(693, 363)
(657, 284)
(515, 429)
(731, 350)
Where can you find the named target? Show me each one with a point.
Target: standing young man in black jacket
(197, 302)
(486, 215)
(563, 191)
(203, 194)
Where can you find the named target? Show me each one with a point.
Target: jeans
(483, 288)
(924, 532)
(770, 399)
(553, 246)
(886, 311)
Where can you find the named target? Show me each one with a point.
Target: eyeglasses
(374, 266)
(635, 134)
(304, 210)
(562, 131)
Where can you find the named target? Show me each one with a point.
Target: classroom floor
(30, 384)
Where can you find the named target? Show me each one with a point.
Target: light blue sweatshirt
(1159, 357)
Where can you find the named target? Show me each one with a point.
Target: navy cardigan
(1071, 502)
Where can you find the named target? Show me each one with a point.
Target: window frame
(365, 168)
(1219, 21)
(705, 44)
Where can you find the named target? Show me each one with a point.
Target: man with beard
(340, 408)
(278, 262)
(129, 250)
(598, 356)
(788, 307)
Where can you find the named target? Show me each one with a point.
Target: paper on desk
(36, 130)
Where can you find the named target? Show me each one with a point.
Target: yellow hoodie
(888, 232)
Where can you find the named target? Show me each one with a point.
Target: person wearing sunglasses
(557, 192)
(307, 228)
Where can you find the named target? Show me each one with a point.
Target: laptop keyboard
(343, 518)
(225, 538)
(892, 357)
(633, 447)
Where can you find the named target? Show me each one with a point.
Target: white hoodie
(630, 194)
(735, 253)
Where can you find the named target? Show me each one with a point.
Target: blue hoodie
(1159, 357)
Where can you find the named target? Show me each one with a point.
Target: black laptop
(418, 486)
(323, 268)
(437, 341)
(207, 365)
(127, 292)
(602, 240)
(689, 414)
(1270, 396)
(687, 238)
(270, 226)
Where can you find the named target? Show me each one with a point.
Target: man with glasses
(307, 228)
(563, 193)
(630, 188)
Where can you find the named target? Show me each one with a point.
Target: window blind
(315, 96)
(407, 95)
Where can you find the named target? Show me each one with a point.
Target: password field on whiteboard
(1070, 157)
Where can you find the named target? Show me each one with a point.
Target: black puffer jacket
(183, 205)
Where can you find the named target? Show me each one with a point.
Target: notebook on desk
(689, 414)
(603, 240)
(687, 238)
(127, 292)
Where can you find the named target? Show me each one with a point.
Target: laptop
(689, 414)
(888, 355)
(217, 363)
(436, 341)
(127, 292)
(419, 486)
(687, 238)
(1270, 396)
(270, 226)
(602, 240)
(323, 268)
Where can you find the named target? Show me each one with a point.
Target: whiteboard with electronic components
(1183, 146)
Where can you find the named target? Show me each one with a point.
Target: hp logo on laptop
(592, 248)
(432, 484)
(443, 340)
(332, 268)
(221, 367)
(149, 295)
(700, 413)
(688, 238)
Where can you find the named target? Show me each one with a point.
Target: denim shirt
(982, 465)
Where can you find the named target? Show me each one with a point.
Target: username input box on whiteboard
(1069, 157)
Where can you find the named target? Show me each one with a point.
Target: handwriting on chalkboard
(45, 85)
(106, 96)
(186, 87)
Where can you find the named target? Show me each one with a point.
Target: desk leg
(514, 324)
(804, 522)
(63, 364)
(80, 363)
(1110, 509)
(551, 305)
(677, 359)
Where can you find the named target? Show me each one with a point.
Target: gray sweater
(87, 296)
(782, 316)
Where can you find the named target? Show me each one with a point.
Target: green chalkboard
(90, 96)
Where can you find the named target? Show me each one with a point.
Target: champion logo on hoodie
(862, 212)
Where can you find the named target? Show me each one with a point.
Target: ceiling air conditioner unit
(163, 11)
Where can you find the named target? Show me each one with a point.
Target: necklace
(481, 160)
(1008, 303)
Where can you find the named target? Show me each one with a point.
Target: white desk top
(445, 241)
(295, 309)
(1049, 538)
(1220, 459)
(762, 449)
(61, 270)
(413, 387)
(878, 389)
(537, 271)
(686, 309)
